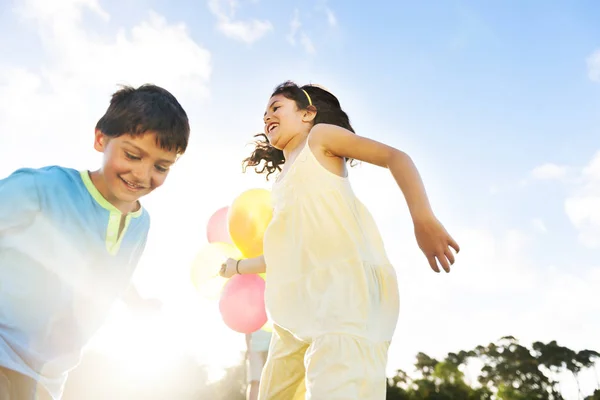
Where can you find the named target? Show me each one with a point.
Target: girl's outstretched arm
(246, 266)
(431, 236)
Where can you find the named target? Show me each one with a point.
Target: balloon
(263, 275)
(205, 268)
(248, 218)
(216, 229)
(242, 303)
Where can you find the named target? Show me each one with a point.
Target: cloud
(296, 33)
(331, 18)
(295, 25)
(549, 171)
(307, 43)
(245, 31)
(582, 205)
(593, 66)
(59, 99)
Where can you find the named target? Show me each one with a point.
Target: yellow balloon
(263, 275)
(248, 218)
(205, 268)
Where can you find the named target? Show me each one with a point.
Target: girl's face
(283, 121)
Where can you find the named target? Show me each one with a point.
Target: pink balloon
(217, 227)
(242, 303)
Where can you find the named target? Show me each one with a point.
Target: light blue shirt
(62, 266)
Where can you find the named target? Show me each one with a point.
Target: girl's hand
(435, 243)
(228, 268)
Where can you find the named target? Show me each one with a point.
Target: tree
(514, 372)
(595, 396)
(510, 371)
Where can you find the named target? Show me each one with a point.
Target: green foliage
(510, 371)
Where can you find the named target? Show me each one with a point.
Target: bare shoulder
(319, 138)
(317, 143)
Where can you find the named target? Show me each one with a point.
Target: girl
(331, 293)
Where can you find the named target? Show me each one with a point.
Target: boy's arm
(19, 199)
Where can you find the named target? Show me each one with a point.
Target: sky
(498, 104)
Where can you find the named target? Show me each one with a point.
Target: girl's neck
(295, 144)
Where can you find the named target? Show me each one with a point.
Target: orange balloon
(205, 268)
(248, 218)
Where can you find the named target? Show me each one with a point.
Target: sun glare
(147, 346)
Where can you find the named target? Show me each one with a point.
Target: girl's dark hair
(328, 111)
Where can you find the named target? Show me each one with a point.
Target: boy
(70, 240)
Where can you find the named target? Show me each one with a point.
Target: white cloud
(593, 66)
(582, 205)
(245, 31)
(296, 30)
(307, 43)
(295, 25)
(549, 171)
(331, 18)
(60, 99)
(591, 172)
(323, 8)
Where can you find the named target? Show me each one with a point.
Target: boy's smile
(134, 187)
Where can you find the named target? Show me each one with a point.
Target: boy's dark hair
(148, 108)
(328, 111)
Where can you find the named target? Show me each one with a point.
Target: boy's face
(132, 167)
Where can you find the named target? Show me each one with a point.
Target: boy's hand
(435, 243)
(228, 268)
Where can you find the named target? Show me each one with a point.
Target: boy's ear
(100, 141)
